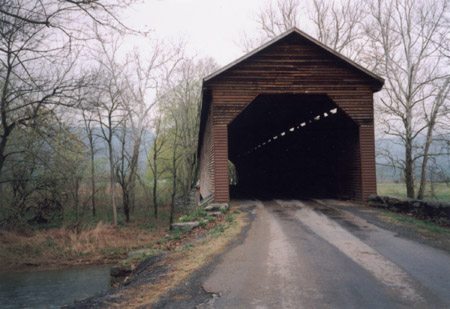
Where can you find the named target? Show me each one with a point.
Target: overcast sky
(209, 27)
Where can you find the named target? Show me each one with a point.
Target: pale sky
(209, 27)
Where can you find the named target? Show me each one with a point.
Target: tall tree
(337, 24)
(406, 36)
(109, 104)
(88, 122)
(142, 80)
(154, 158)
(40, 45)
(183, 101)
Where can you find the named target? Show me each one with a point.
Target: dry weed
(66, 246)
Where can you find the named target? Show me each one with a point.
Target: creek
(51, 288)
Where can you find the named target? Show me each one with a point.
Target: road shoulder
(401, 225)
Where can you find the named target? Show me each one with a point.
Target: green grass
(217, 230)
(196, 215)
(441, 191)
(140, 257)
(423, 225)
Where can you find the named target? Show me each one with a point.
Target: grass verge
(421, 225)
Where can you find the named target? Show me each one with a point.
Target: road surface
(303, 254)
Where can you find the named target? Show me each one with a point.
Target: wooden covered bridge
(296, 120)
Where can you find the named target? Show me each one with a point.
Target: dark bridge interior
(293, 146)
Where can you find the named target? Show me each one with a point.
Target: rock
(120, 270)
(185, 226)
(436, 211)
(444, 221)
(139, 252)
(216, 207)
(377, 201)
(445, 210)
(214, 213)
(206, 200)
(416, 204)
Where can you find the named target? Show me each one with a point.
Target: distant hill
(102, 148)
(439, 164)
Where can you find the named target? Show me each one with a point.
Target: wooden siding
(295, 65)
(221, 184)
(206, 168)
(368, 167)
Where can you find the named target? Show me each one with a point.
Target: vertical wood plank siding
(221, 164)
(206, 168)
(294, 65)
(368, 167)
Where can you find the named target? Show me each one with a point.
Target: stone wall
(435, 211)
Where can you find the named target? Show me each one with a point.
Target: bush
(229, 218)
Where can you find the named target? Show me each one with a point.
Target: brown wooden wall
(298, 66)
(206, 164)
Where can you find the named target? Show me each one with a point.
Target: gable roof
(305, 36)
(206, 95)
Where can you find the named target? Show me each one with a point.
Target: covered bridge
(296, 120)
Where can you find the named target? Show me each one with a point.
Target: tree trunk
(438, 103)
(155, 185)
(409, 171)
(111, 183)
(423, 176)
(76, 198)
(155, 178)
(133, 169)
(126, 203)
(172, 200)
(93, 179)
(174, 174)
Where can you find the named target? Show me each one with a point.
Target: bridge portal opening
(293, 146)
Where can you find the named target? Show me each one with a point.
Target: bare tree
(154, 158)
(142, 87)
(406, 37)
(183, 99)
(88, 122)
(337, 24)
(67, 16)
(273, 20)
(174, 167)
(438, 110)
(110, 117)
(40, 43)
(109, 105)
(123, 166)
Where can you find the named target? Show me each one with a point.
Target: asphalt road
(303, 254)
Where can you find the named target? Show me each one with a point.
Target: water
(51, 288)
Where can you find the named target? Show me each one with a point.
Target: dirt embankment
(179, 259)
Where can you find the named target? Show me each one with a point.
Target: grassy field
(441, 191)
